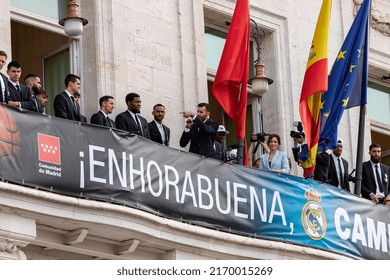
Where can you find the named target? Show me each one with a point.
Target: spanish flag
(314, 84)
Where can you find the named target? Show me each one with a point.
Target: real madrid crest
(313, 216)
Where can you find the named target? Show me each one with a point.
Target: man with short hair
(375, 177)
(31, 81)
(107, 105)
(65, 106)
(338, 168)
(130, 120)
(18, 93)
(38, 102)
(3, 79)
(159, 132)
(201, 132)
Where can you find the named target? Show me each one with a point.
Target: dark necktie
(2, 92)
(19, 93)
(108, 121)
(341, 181)
(139, 125)
(74, 104)
(378, 178)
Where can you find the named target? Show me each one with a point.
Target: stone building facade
(166, 52)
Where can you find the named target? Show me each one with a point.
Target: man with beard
(158, 131)
(338, 168)
(200, 130)
(375, 177)
(130, 120)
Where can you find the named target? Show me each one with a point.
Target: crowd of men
(333, 169)
(200, 131)
(204, 135)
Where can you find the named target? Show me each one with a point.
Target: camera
(259, 137)
(231, 156)
(299, 133)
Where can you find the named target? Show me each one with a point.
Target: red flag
(231, 80)
(314, 84)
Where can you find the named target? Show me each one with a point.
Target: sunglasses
(188, 121)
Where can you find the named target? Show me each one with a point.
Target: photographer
(256, 140)
(274, 160)
(301, 154)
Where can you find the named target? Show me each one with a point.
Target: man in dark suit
(18, 93)
(375, 177)
(107, 105)
(200, 131)
(3, 79)
(65, 106)
(338, 168)
(130, 120)
(159, 132)
(38, 101)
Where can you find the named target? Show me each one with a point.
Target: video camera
(299, 133)
(259, 137)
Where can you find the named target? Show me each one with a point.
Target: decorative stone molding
(15, 231)
(8, 246)
(9, 250)
(380, 20)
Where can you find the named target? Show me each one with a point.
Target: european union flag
(347, 82)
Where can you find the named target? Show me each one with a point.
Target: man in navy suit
(107, 105)
(338, 168)
(130, 120)
(18, 93)
(200, 132)
(159, 132)
(3, 79)
(375, 177)
(65, 106)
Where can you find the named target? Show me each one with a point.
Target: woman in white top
(274, 160)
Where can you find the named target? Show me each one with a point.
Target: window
(378, 99)
(47, 8)
(214, 44)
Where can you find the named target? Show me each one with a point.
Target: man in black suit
(3, 79)
(38, 101)
(18, 93)
(65, 106)
(159, 132)
(201, 132)
(107, 105)
(130, 120)
(338, 168)
(375, 177)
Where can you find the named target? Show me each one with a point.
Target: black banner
(108, 165)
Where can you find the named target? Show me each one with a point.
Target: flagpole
(362, 117)
(240, 151)
(360, 148)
